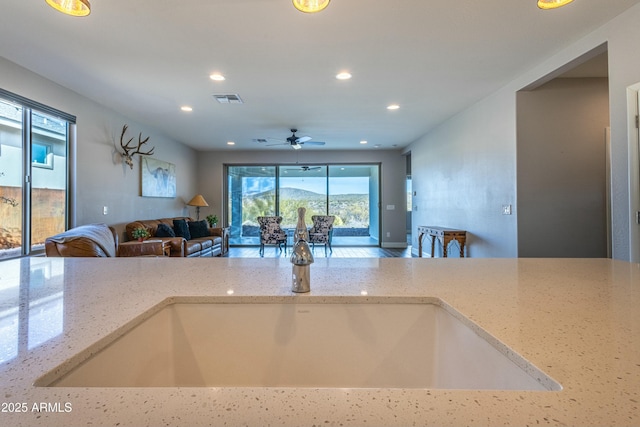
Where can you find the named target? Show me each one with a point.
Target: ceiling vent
(234, 98)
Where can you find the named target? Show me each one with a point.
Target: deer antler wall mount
(128, 153)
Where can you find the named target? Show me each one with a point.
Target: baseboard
(395, 245)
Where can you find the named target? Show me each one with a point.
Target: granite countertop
(577, 320)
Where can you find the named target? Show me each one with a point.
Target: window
(42, 155)
(34, 146)
(349, 192)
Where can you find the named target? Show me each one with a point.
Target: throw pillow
(198, 229)
(164, 230)
(181, 228)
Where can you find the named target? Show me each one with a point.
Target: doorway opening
(562, 162)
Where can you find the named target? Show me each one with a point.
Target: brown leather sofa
(208, 245)
(91, 240)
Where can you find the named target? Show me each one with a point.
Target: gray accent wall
(561, 169)
(211, 173)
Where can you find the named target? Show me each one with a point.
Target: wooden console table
(444, 235)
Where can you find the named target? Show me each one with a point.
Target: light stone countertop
(577, 320)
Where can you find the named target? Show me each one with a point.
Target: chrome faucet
(301, 258)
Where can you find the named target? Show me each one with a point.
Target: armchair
(322, 231)
(271, 233)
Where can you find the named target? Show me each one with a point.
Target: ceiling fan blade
(315, 143)
(278, 143)
(303, 139)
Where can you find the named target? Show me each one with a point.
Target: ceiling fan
(296, 142)
(305, 168)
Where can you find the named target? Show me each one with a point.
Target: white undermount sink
(419, 344)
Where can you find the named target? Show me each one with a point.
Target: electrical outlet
(388, 234)
(506, 209)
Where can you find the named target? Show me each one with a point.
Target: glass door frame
(30, 107)
(374, 204)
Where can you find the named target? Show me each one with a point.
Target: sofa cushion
(198, 229)
(164, 230)
(192, 247)
(181, 228)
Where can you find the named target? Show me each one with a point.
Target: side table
(444, 235)
(144, 248)
(224, 233)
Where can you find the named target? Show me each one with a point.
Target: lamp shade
(198, 201)
(310, 6)
(552, 4)
(71, 7)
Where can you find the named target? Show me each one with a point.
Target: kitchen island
(575, 319)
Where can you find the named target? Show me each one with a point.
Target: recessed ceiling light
(217, 77)
(363, 142)
(73, 8)
(343, 76)
(393, 107)
(310, 6)
(552, 4)
(186, 108)
(231, 143)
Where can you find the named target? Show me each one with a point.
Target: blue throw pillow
(181, 228)
(198, 229)
(164, 230)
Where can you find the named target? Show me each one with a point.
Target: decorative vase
(140, 239)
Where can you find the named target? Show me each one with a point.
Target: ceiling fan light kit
(552, 4)
(295, 142)
(310, 6)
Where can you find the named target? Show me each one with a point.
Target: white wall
(102, 179)
(561, 176)
(473, 153)
(211, 179)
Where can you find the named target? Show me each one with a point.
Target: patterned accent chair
(322, 231)
(271, 233)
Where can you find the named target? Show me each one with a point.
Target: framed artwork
(158, 178)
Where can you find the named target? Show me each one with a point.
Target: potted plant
(140, 233)
(212, 220)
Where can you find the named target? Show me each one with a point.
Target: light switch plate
(506, 209)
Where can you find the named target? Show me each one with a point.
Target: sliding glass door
(34, 142)
(349, 192)
(251, 192)
(353, 200)
(11, 166)
(302, 186)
